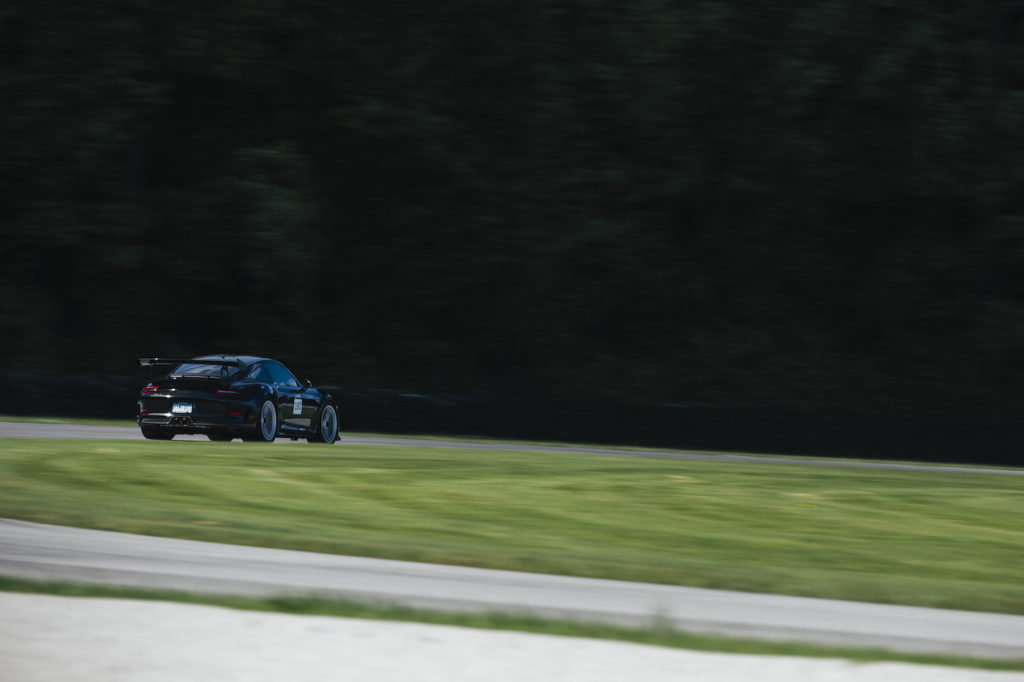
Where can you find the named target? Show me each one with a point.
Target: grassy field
(931, 539)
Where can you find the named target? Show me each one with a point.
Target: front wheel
(327, 425)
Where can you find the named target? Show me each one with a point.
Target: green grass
(930, 539)
(658, 636)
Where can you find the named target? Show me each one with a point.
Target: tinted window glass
(280, 375)
(195, 368)
(259, 373)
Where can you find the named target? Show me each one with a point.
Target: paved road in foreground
(45, 552)
(34, 430)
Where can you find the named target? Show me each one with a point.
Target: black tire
(221, 436)
(266, 423)
(156, 433)
(326, 425)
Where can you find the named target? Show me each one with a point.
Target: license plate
(181, 408)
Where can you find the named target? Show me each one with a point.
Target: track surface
(45, 552)
(31, 430)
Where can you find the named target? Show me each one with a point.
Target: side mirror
(309, 384)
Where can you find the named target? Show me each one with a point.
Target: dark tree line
(803, 203)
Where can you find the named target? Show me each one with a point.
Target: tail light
(227, 392)
(150, 389)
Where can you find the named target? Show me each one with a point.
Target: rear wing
(154, 362)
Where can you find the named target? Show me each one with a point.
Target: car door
(295, 408)
(310, 405)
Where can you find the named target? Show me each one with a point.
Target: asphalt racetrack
(35, 430)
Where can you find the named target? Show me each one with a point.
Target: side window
(281, 376)
(259, 372)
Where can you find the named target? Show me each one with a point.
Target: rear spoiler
(153, 362)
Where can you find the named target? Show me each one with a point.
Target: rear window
(200, 369)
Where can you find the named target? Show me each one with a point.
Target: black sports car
(234, 396)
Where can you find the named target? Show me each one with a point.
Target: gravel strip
(47, 638)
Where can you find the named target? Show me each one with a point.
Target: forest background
(802, 204)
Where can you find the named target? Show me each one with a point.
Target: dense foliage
(795, 202)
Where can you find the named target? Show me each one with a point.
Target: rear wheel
(156, 433)
(327, 425)
(266, 425)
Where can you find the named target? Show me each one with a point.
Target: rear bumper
(183, 423)
(208, 414)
